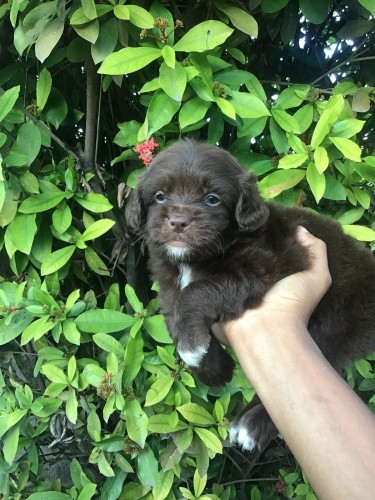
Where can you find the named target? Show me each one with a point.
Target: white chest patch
(185, 276)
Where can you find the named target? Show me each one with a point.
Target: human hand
(292, 299)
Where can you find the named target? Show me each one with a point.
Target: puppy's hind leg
(253, 429)
(216, 367)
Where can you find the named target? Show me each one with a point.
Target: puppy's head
(192, 199)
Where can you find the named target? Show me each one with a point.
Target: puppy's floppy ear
(251, 211)
(135, 211)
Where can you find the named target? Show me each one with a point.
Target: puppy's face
(192, 199)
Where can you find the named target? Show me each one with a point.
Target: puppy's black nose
(178, 223)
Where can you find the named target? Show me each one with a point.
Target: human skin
(328, 428)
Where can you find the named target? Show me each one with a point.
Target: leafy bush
(93, 401)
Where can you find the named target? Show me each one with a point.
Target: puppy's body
(216, 248)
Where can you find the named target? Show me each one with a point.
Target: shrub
(93, 401)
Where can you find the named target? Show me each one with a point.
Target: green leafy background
(94, 402)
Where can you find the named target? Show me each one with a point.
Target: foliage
(89, 376)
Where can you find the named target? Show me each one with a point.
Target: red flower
(279, 486)
(145, 151)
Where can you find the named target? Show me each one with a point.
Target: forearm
(327, 427)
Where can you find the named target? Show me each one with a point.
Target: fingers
(318, 251)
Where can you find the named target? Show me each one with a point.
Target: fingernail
(302, 229)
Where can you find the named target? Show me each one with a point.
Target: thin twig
(253, 480)
(335, 68)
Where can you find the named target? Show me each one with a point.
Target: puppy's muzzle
(178, 223)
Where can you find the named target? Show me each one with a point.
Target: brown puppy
(216, 248)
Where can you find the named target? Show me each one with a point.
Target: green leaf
(94, 374)
(44, 407)
(331, 113)
(226, 107)
(186, 493)
(360, 233)
(72, 407)
(57, 260)
(248, 105)
(159, 390)
(321, 159)
(334, 189)
(160, 112)
(169, 56)
(133, 359)
(277, 182)
(88, 31)
(94, 426)
(173, 80)
(212, 442)
(103, 321)
(92, 202)
(8, 100)
(192, 111)
(163, 485)
(136, 422)
(121, 12)
(347, 128)
(286, 121)
(254, 86)
(10, 444)
(369, 5)
(271, 6)
(10, 330)
(128, 60)
(26, 147)
(133, 299)
(41, 202)
(89, 9)
(355, 28)
(204, 36)
(108, 343)
(71, 332)
(54, 374)
(293, 160)
(140, 17)
(147, 466)
(160, 424)
(95, 262)
(155, 326)
(36, 329)
(103, 466)
(21, 232)
(62, 219)
(315, 12)
(56, 108)
(106, 42)
(111, 444)
(366, 171)
(96, 229)
(304, 117)
(49, 495)
(196, 414)
(241, 19)
(199, 483)
(347, 147)
(316, 180)
(48, 38)
(351, 216)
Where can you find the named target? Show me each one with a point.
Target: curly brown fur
(215, 249)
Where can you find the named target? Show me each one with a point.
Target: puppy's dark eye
(160, 197)
(212, 200)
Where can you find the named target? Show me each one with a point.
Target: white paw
(193, 358)
(242, 437)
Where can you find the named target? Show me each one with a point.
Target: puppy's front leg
(202, 304)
